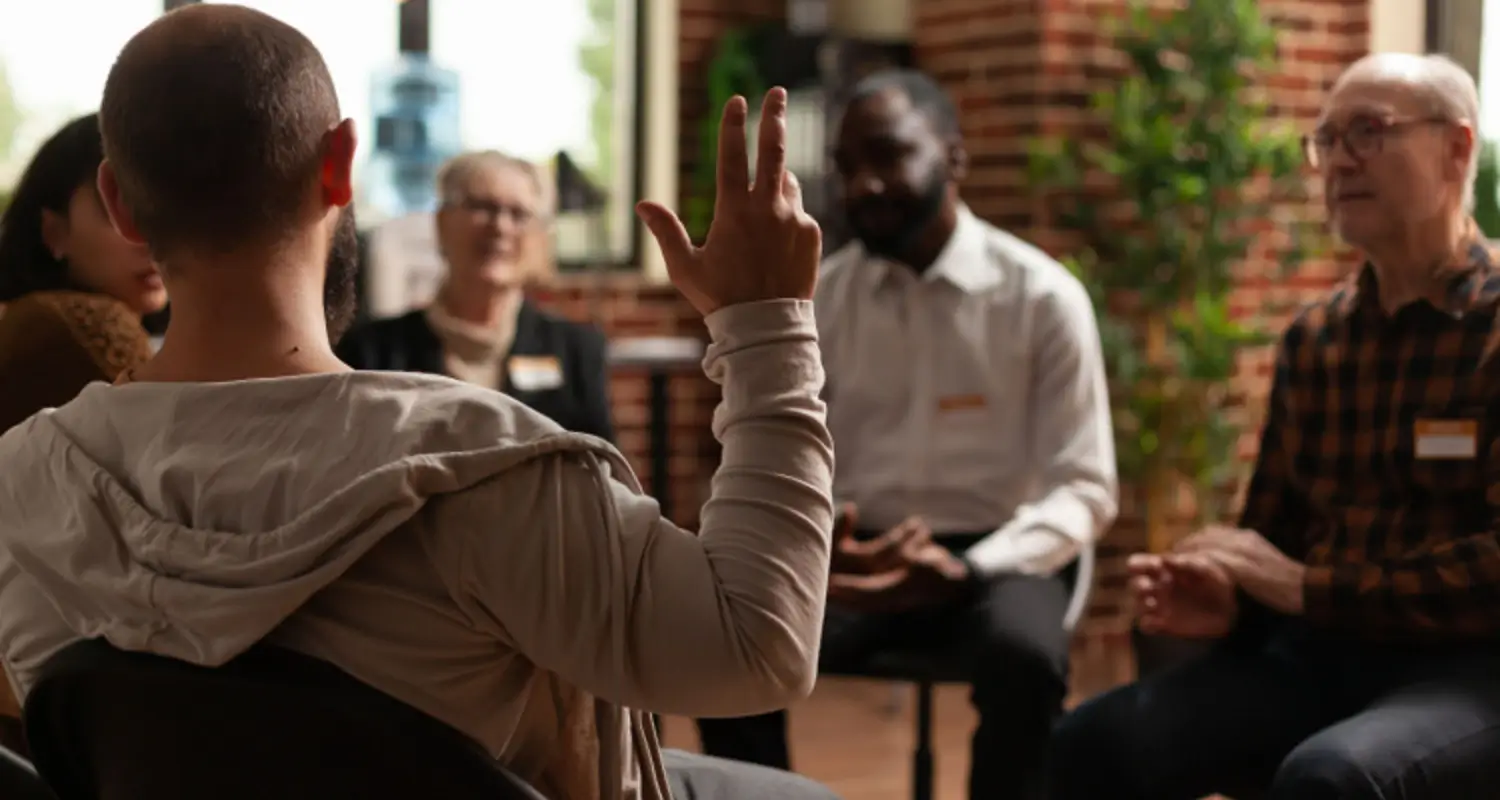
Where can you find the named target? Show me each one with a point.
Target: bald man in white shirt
(970, 415)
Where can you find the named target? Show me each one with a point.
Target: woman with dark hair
(73, 291)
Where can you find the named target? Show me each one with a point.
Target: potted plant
(1190, 184)
(731, 71)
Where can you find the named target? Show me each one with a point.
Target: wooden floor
(856, 737)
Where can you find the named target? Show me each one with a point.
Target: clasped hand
(899, 570)
(1191, 591)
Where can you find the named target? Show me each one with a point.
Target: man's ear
(119, 215)
(1462, 149)
(958, 161)
(337, 171)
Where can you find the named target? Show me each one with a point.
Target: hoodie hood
(189, 520)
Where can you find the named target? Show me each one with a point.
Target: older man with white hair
(1357, 603)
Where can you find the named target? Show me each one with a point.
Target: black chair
(927, 670)
(18, 779)
(104, 724)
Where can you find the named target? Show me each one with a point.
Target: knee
(1088, 756)
(1323, 772)
(1012, 666)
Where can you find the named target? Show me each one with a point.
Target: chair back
(18, 779)
(104, 724)
(1082, 580)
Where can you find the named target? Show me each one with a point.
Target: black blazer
(408, 344)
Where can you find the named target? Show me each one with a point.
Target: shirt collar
(965, 260)
(1473, 280)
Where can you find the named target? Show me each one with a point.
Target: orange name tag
(961, 402)
(535, 373)
(1447, 439)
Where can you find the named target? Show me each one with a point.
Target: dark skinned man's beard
(917, 213)
(340, 289)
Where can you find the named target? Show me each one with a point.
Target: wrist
(973, 579)
(772, 312)
(1296, 591)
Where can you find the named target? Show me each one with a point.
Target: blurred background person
(72, 296)
(492, 229)
(969, 410)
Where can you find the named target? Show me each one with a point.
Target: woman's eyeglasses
(486, 210)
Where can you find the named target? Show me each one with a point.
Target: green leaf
(1184, 140)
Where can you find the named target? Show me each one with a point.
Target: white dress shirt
(972, 395)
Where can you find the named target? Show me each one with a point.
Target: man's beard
(340, 287)
(916, 214)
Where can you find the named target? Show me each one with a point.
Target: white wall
(879, 20)
(1398, 26)
(1489, 72)
(659, 104)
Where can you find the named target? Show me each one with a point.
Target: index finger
(770, 152)
(864, 584)
(847, 518)
(734, 164)
(1193, 565)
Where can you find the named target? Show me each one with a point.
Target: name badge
(535, 373)
(961, 402)
(1447, 439)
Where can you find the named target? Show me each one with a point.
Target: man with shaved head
(437, 541)
(1357, 603)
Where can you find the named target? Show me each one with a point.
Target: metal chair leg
(921, 766)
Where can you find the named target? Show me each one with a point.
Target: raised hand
(1186, 596)
(762, 245)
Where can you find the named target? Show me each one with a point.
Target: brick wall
(702, 22)
(1017, 69)
(623, 306)
(1020, 69)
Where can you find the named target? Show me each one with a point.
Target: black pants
(1303, 716)
(1014, 645)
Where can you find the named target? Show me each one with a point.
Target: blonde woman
(492, 233)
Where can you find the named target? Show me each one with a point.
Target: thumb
(791, 192)
(668, 232)
(846, 522)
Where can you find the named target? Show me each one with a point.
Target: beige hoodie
(442, 543)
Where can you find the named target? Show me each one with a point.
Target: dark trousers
(1302, 716)
(1010, 639)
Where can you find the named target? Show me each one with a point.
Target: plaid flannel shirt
(1400, 545)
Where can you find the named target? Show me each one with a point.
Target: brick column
(987, 54)
(1020, 69)
(703, 22)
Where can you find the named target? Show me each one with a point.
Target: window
(539, 80)
(52, 68)
(356, 55)
(1489, 72)
(536, 79)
